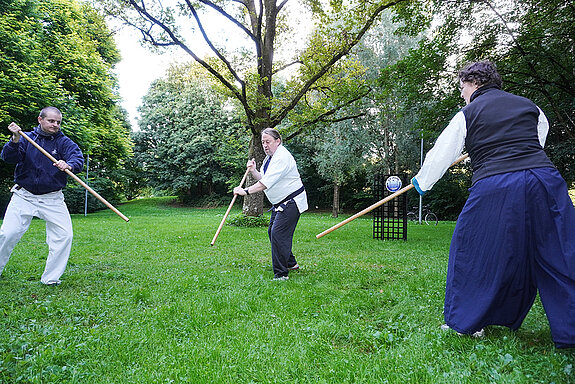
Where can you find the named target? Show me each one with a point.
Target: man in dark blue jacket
(516, 233)
(38, 191)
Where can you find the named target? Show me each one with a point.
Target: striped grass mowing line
(150, 301)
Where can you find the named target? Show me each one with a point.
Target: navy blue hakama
(281, 231)
(515, 235)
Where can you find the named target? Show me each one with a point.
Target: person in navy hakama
(516, 233)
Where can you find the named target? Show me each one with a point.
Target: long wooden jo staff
(380, 202)
(229, 209)
(71, 174)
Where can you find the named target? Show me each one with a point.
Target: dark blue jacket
(35, 171)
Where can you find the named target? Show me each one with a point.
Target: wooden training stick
(71, 174)
(229, 209)
(380, 202)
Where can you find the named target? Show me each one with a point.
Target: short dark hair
(480, 73)
(272, 132)
(45, 111)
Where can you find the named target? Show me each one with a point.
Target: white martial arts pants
(49, 207)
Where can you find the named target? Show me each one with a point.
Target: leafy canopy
(61, 53)
(189, 142)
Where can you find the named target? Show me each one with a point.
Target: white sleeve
(542, 128)
(446, 150)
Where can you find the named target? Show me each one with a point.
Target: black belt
(19, 187)
(290, 196)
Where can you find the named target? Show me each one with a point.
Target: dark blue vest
(502, 133)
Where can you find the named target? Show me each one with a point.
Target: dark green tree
(339, 155)
(189, 143)
(61, 53)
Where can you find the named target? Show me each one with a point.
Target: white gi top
(282, 178)
(449, 146)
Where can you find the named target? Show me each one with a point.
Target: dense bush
(75, 195)
(206, 200)
(242, 220)
(5, 195)
(448, 196)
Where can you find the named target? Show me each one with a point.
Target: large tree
(339, 155)
(268, 26)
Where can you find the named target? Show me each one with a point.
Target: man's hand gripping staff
(62, 165)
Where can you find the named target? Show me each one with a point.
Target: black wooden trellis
(389, 219)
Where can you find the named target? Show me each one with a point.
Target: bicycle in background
(427, 216)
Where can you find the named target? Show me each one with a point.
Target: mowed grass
(150, 301)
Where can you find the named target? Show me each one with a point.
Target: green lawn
(150, 301)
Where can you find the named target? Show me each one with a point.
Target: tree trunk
(335, 210)
(253, 204)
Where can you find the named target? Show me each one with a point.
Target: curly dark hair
(480, 73)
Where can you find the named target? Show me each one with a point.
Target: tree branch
(222, 12)
(322, 117)
(213, 48)
(338, 55)
(283, 3)
(176, 41)
(286, 66)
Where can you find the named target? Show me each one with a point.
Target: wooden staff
(229, 209)
(381, 202)
(71, 174)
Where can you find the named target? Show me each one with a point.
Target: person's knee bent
(10, 234)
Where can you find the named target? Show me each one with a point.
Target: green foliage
(340, 150)
(449, 194)
(75, 195)
(241, 220)
(356, 200)
(6, 182)
(150, 301)
(332, 155)
(188, 143)
(347, 146)
(128, 181)
(61, 53)
(318, 190)
(415, 87)
(5, 195)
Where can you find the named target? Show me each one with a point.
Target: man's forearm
(256, 175)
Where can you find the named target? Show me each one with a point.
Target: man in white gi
(38, 191)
